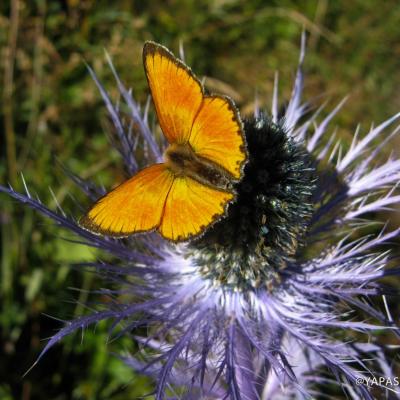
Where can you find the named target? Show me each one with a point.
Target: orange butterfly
(183, 196)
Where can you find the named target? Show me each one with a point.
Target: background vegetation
(50, 106)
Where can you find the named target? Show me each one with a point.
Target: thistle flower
(274, 300)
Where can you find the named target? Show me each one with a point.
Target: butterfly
(206, 154)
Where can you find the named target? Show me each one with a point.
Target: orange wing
(176, 92)
(134, 206)
(190, 208)
(210, 124)
(217, 134)
(179, 207)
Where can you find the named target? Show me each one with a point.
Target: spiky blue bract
(293, 335)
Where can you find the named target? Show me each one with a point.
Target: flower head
(267, 302)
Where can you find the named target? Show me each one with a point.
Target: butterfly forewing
(176, 93)
(134, 206)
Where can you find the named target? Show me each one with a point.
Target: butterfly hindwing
(134, 206)
(217, 134)
(190, 208)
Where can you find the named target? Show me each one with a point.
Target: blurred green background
(50, 106)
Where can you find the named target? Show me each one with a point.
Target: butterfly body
(183, 161)
(205, 157)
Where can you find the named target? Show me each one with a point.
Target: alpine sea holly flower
(265, 304)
